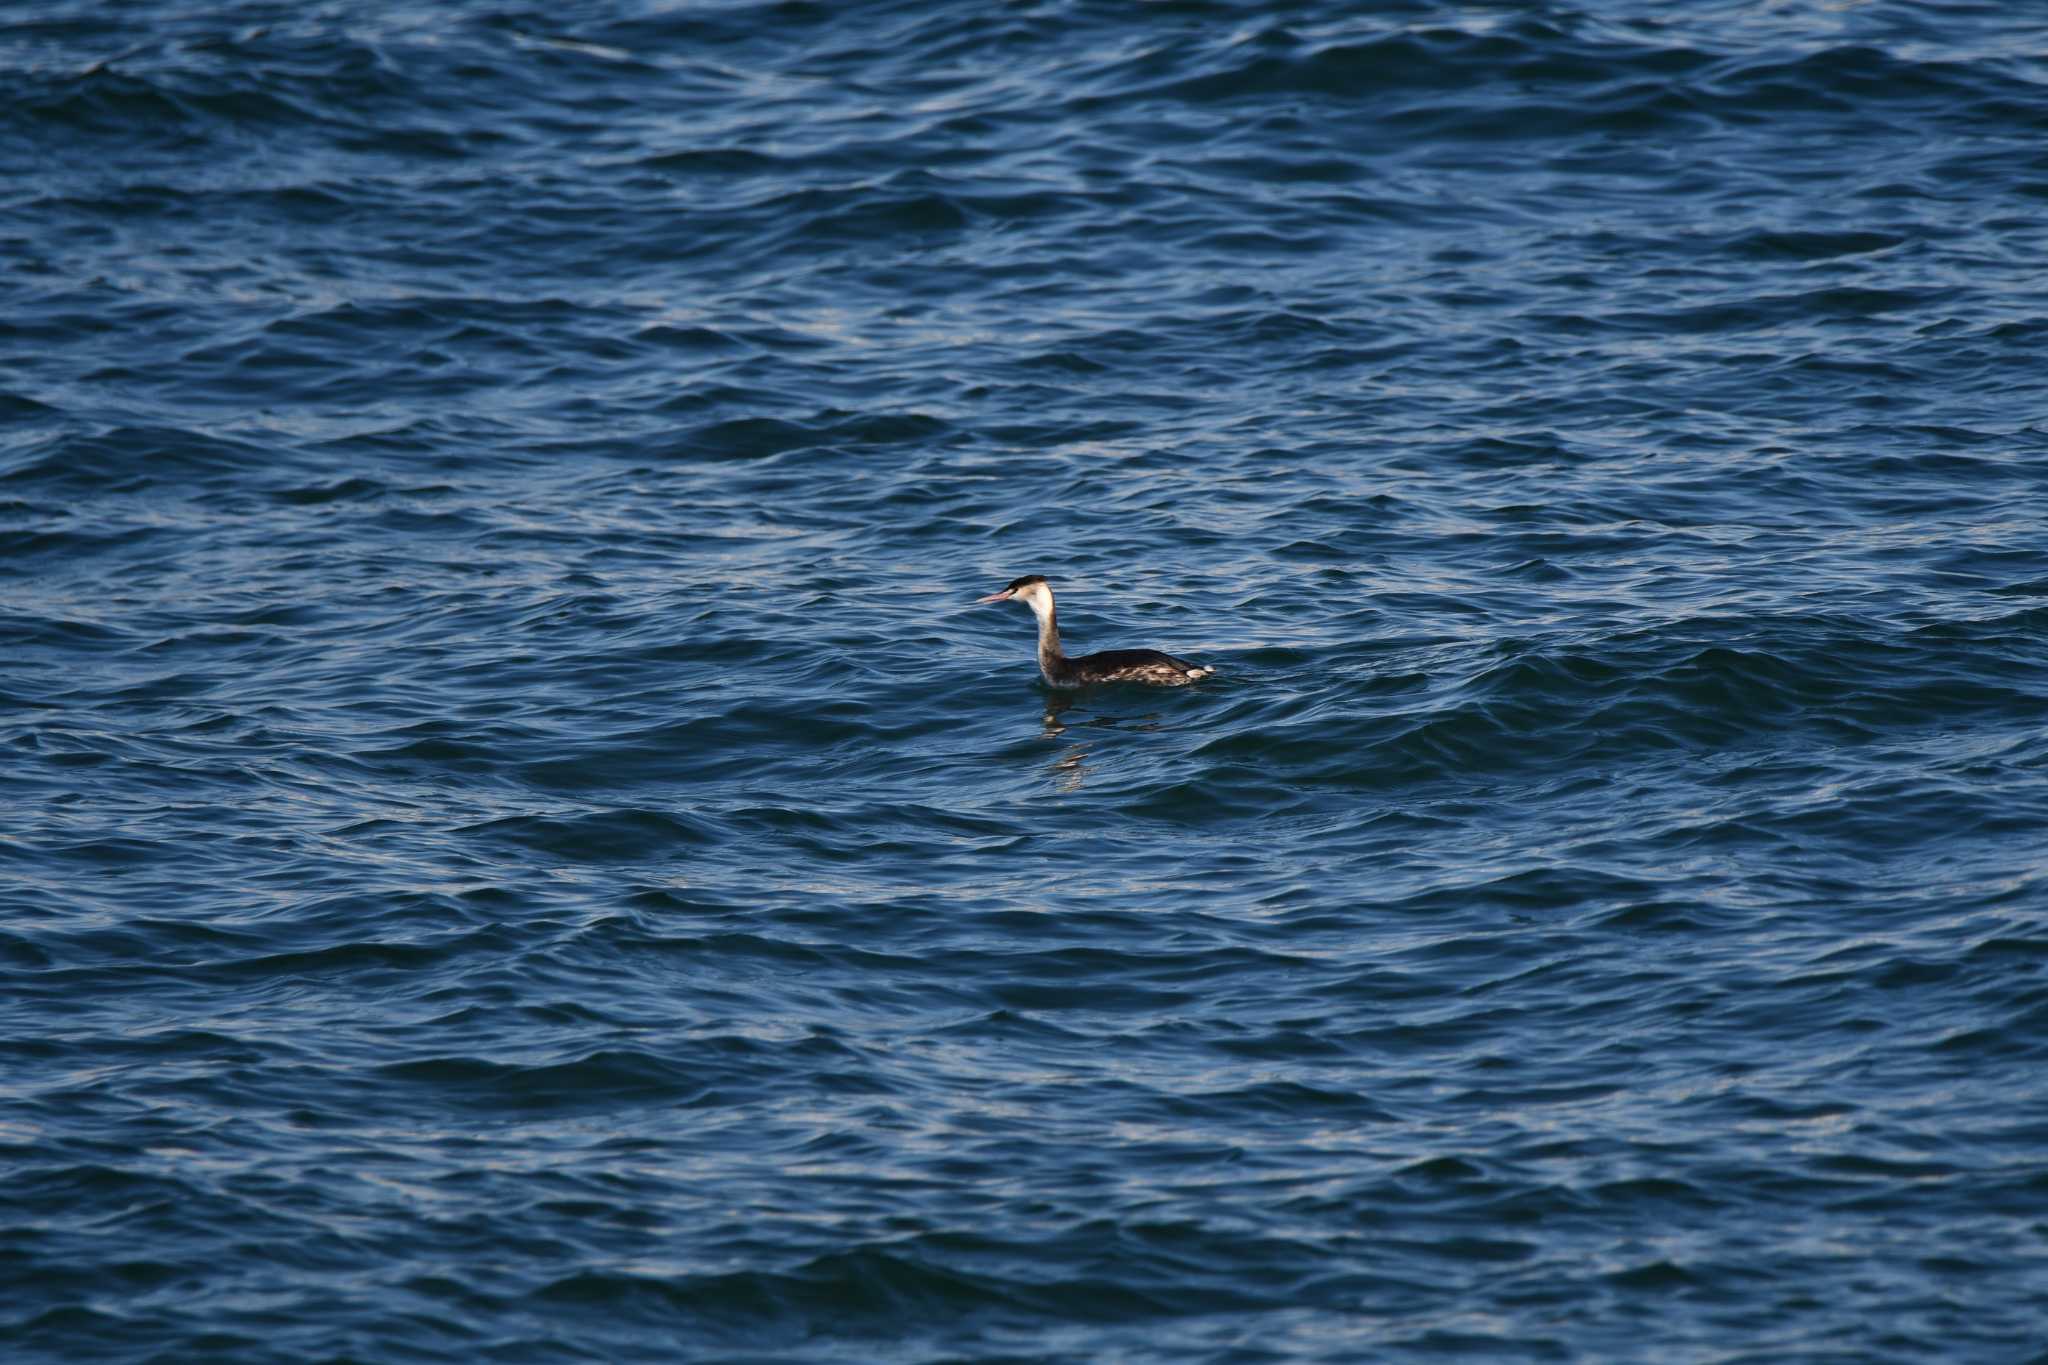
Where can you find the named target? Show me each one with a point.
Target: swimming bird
(1111, 665)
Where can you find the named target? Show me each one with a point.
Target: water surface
(518, 845)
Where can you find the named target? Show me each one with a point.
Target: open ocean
(517, 845)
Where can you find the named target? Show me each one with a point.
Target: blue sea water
(518, 846)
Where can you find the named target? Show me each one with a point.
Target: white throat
(1038, 597)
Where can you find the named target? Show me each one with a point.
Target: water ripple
(524, 848)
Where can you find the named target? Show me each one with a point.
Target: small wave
(602, 1078)
(131, 459)
(623, 835)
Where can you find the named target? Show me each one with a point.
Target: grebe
(1111, 665)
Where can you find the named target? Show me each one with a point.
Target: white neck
(1039, 598)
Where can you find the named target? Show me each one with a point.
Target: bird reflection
(1070, 768)
(1055, 704)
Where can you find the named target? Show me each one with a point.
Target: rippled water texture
(518, 845)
